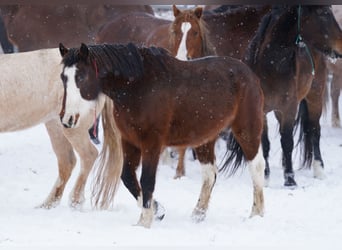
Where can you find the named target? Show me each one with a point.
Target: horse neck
(277, 30)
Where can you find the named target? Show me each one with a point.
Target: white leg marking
(209, 172)
(75, 105)
(256, 168)
(182, 50)
(318, 170)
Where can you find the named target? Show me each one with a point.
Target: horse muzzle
(70, 121)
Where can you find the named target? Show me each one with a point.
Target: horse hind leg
(206, 155)
(180, 171)
(66, 162)
(335, 89)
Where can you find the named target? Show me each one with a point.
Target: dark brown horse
(160, 101)
(286, 53)
(149, 30)
(32, 27)
(314, 101)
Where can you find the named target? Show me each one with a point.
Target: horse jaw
(75, 106)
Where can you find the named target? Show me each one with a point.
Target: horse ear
(84, 51)
(198, 12)
(63, 50)
(176, 11)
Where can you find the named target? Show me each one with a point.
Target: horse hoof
(290, 182)
(198, 215)
(49, 205)
(159, 211)
(266, 181)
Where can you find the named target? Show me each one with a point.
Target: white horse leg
(256, 168)
(318, 170)
(209, 172)
(66, 162)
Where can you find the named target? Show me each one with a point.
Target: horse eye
(79, 78)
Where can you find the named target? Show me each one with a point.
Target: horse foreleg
(150, 157)
(66, 161)
(286, 121)
(256, 169)
(206, 156)
(79, 138)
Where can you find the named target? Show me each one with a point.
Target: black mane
(278, 17)
(127, 61)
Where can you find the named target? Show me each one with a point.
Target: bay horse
(144, 28)
(155, 105)
(31, 93)
(311, 107)
(286, 53)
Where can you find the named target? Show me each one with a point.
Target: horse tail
(234, 156)
(110, 161)
(305, 133)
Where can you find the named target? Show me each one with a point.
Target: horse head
(188, 34)
(81, 85)
(319, 29)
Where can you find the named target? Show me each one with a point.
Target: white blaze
(182, 50)
(75, 105)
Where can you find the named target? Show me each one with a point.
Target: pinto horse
(150, 30)
(286, 53)
(31, 94)
(156, 106)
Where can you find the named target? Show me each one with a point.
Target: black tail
(305, 134)
(234, 157)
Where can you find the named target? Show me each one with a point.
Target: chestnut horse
(31, 93)
(286, 53)
(161, 101)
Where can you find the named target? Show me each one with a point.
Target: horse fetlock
(318, 170)
(258, 203)
(146, 217)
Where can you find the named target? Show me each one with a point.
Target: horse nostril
(70, 121)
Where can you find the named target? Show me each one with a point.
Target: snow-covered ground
(308, 216)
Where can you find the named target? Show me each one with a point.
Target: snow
(308, 216)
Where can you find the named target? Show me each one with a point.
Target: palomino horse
(285, 53)
(31, 94)
(160, 101)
